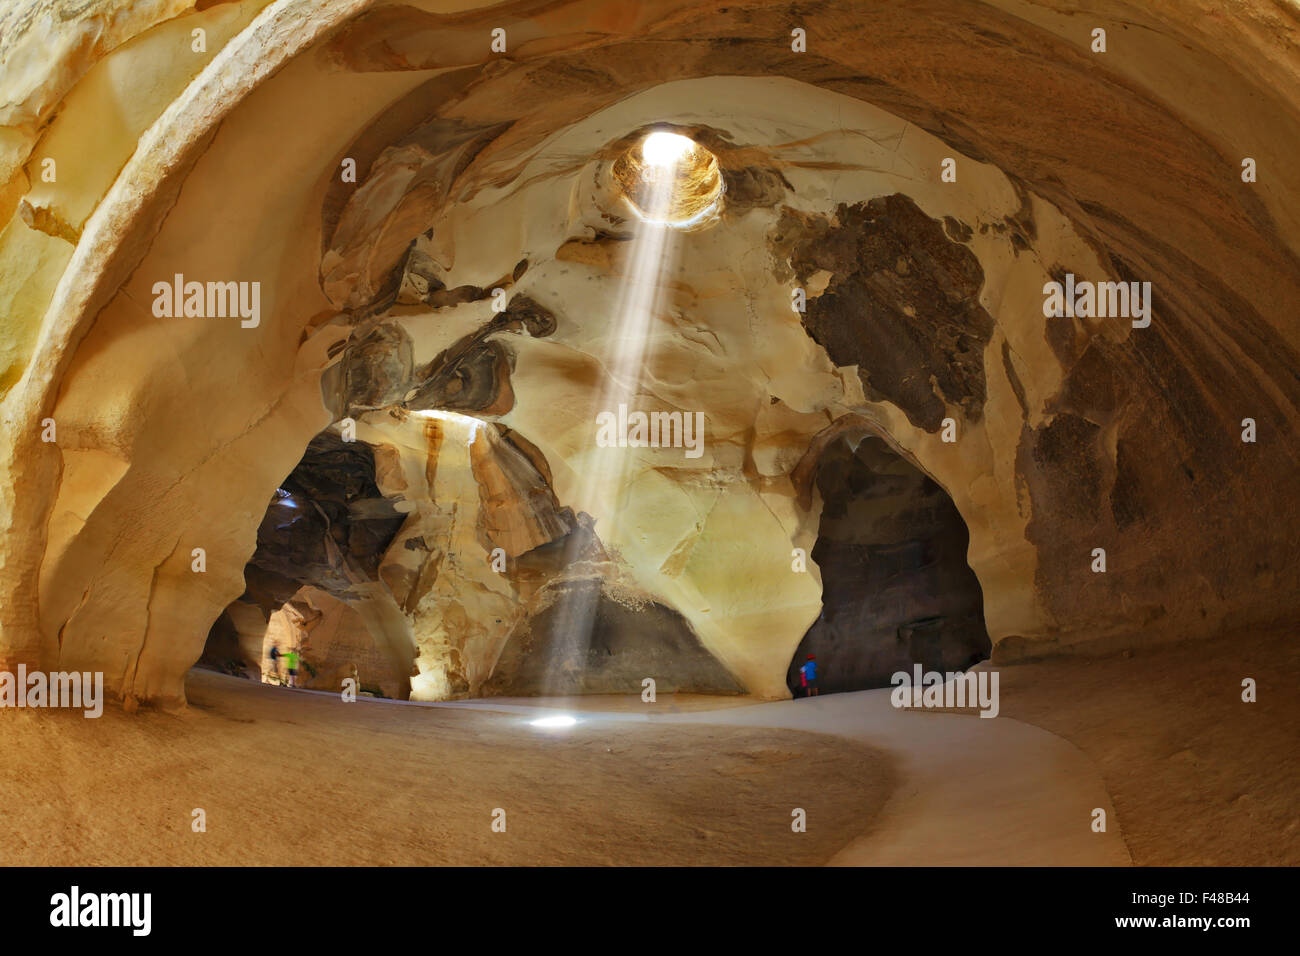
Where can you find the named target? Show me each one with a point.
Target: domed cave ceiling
(885, 451)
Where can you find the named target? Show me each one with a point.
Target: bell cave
(640, 419)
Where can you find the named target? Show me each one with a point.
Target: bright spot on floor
(559, 720)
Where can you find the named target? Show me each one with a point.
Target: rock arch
(892, 549)
(1088, 433)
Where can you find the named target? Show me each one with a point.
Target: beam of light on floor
(555, 722)
(650, 255)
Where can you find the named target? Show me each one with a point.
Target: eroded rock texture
(483, 264)
(327, 525)
(901, 302)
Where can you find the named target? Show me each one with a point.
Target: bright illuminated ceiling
(669, 179)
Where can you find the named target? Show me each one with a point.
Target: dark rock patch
(327, 524)
(471, 381)
(1068, 461)
(902, 304)
(376, 370)
(753, 187)
(1013, 377)
(586, 642)
(474, 374)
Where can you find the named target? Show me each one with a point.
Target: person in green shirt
(291, 666)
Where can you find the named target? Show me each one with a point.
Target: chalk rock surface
(449, 271)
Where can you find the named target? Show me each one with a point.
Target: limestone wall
(477, 170)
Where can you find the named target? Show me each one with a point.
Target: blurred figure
(275, 661)
(809, 675)
(291, 666)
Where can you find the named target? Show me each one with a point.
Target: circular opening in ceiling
(670, 180)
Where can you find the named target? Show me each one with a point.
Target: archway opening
(897, 590)
(319, 548)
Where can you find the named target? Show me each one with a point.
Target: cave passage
(327, 582)
(319, 548)
(897, 590)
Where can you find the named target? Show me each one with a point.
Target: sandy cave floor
(299, 778)
(1197, 776)
(1186, 772)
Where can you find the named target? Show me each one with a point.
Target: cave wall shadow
(896, 587)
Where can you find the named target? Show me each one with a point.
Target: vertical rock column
(475, 504)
